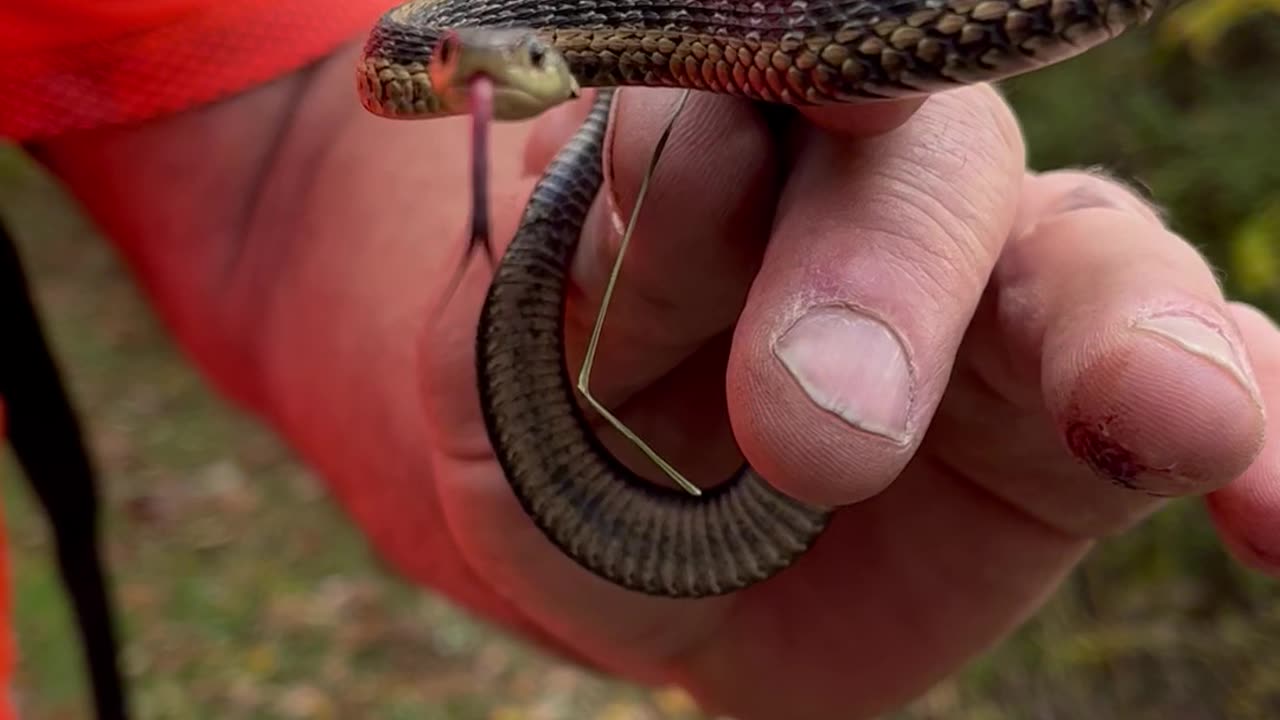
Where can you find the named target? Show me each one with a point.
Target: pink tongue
(481, 93)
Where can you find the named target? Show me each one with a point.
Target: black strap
(46, 438)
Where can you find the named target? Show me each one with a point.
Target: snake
(418, 62)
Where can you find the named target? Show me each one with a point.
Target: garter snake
(538, 53)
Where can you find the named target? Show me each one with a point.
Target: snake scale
(417, 63)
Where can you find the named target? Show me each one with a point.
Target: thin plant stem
(584, 376)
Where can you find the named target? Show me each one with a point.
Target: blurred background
(247, 594)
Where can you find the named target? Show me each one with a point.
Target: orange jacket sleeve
(69, 65)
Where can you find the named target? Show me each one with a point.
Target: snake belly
(619, 526)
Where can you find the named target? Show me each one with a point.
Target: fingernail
(1198, 337)
(851, 365)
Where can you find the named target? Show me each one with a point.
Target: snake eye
(537, 54)
(447, 48)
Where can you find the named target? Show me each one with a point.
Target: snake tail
(642, 536)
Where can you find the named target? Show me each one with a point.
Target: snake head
(410, 69)
(528, 75)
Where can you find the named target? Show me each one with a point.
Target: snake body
(640, 535)
(616, 524)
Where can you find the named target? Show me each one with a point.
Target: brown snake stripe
(610, 520)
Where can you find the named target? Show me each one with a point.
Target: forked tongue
(480, 91)
(481, 94)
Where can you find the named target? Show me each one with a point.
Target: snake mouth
(424, 75)
(515, 103)
(408, 94)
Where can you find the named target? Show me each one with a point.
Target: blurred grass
(256, 599)
(1186, 109)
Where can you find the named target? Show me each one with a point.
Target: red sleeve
(76, 64)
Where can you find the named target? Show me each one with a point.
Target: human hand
(967, 498)
(1068, 362)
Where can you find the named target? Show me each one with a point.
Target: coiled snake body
(416, 64)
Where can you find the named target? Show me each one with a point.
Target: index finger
(701, 231)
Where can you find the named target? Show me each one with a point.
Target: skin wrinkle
(285, 122)
(942, 215)
(931, 187)
(968, 116)
(922, 170)
(1010, 139)
(939, 462)
(929, 287)
(937, 276)
(945, 469)
(1002, 117)
(895, 242)
(903, 186)
(264, 215)
(893, 199)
